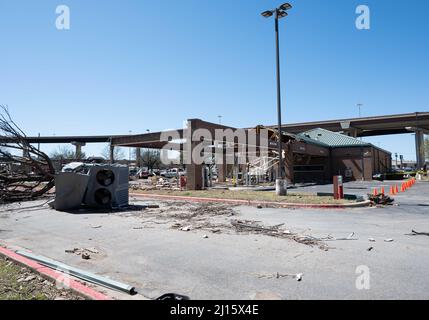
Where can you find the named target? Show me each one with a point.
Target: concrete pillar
(420, 149)
(221, 169)
(138, 156)
(194, 172)
(194, 177)
(78, 146)
(289, 163)
(352, 132)
(112, 154)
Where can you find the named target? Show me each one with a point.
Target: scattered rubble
(275, 231)
(156, 183)
(380, 199)
(415, 233)
(85, 253)
(277, 275)
(85, 256)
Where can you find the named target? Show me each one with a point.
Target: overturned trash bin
(93, 185)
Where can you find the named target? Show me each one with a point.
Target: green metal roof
(303, 138)
(332, 139)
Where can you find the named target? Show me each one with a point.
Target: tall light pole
(279, 13)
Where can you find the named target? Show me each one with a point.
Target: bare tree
(25, 172)
(151, 159)
(118, 153)
(65, 153)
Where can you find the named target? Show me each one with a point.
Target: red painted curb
(253, 202)
(60, 277)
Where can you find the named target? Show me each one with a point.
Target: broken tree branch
(22, 177)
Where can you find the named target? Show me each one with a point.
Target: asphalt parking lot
(146, 248)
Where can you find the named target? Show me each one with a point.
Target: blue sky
(139, 64)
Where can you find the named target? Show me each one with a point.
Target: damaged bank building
(249, 156)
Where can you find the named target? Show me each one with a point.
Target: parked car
(144, 174)
(393, 175)
(172, 173)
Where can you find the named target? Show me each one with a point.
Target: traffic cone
(382, 190)
(392, 191)
(375, 192)
(396, 188)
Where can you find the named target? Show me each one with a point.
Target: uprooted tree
(26, 173)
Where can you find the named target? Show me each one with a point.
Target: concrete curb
(253, 202)
(53, 275)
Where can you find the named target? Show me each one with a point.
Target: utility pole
(129, 149)
(359, 105)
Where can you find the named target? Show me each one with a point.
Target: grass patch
(15, 285)
(252, 195)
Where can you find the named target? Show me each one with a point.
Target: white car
(172, 173)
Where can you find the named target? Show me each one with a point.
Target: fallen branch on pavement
(415, 233)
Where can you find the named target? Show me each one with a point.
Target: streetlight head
(282, 14)
(285, 6)
(267, 14)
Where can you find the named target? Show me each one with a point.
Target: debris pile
(275, 231)
(380, 199)
(85, 253)
(277, 275)
(167, 184)
(156, 183)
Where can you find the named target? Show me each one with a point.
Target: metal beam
(81, 274)
(64, 139)
(369, 126)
